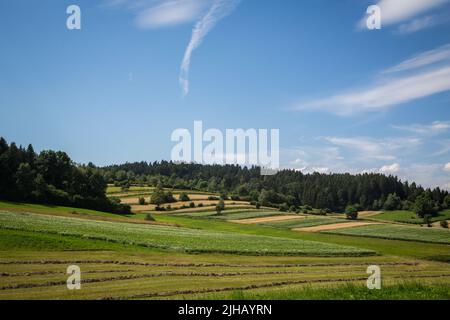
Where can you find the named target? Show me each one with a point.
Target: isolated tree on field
(351, 212)
(158, 197)
(220, 207)
(184, 197)
(141, 201)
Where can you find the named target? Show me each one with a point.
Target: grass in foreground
(349, 291)
(172, 238)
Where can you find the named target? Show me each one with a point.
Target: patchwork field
(170, 238)
(194, 253)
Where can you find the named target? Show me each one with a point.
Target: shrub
(184, 197)
(141, 201)
(427, 220)
(292, 209)
(257, 205)
(283, 207)
(224, 196)
(200, 205)
(351, 212)
(192, 205)
(213, 198)
(220, 207)
(444, 224)
(169, 208)
(424, 206)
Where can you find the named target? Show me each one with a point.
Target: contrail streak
(219, 10)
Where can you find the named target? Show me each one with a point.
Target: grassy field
(170, 238)
(409, 216)
(398, 232)
(198, 255)
(410, 290)
(162, 275)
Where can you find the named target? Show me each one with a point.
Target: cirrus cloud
(394, 90)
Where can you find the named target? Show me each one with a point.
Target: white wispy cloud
(444, 149)
(218, 10)
(418, 24)
(447, 167)
(423, 59)
(398, 11)
(170, 13)
(434, 128)
(391, 91)
(152, 14)
(325, 159)
(427, 175)
(377, 149)
(390, 169)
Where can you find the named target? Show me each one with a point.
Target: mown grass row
(407, 290)
(172, 238)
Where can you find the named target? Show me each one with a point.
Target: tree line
(288, 188)
(51, 177)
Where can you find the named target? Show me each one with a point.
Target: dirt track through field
(367, 214)
(268, 219)
(328, 227)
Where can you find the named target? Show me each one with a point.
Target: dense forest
(334, 192)
(52, 178)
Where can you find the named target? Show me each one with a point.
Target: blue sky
(345, 99)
